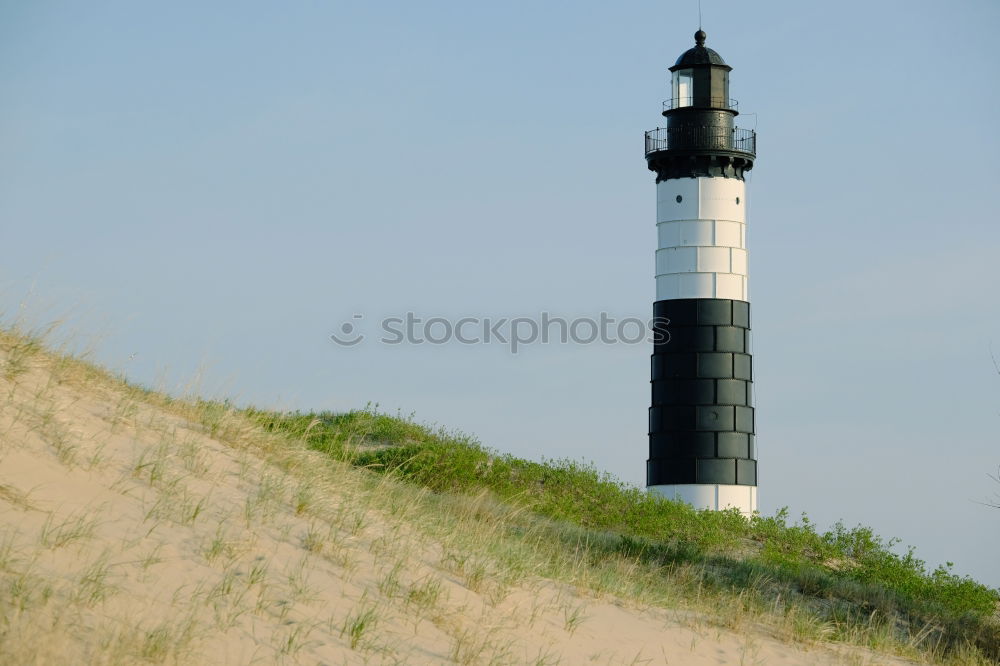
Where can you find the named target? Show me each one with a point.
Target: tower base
(714, 497)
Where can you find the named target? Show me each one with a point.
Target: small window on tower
(683, 88)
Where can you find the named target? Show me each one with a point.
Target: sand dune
(135, 529)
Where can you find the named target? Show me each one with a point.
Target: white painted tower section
(712, 496)
(701, 250)
(702, 253)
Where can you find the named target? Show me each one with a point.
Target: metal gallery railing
(701, 138)
(700, 101)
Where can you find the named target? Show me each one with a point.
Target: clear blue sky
(215, 187)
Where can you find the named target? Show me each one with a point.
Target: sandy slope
(128, 533)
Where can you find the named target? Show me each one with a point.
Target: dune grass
(849, 580)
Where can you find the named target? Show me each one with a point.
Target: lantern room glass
(683, 88)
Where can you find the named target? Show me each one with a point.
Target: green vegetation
(849, 578)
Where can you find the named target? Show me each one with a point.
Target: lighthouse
(701, 422)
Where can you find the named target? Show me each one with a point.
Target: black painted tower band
(701, 422)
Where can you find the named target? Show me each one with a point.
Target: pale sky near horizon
(209, 190)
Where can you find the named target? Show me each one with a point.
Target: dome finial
(699, 37)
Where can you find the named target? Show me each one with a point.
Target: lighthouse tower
(701, 423)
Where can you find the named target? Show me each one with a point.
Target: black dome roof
(699, 54)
